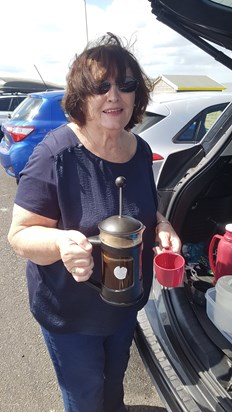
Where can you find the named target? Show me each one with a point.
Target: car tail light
(156, 156)
(19, 133)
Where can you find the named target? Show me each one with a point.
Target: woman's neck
(115, 146)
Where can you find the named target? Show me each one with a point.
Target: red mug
(169, 268)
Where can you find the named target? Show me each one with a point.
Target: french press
(120, 238)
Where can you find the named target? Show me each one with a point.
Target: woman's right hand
(76, 254)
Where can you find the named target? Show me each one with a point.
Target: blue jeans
(90, 369)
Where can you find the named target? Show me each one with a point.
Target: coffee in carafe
(117, 272)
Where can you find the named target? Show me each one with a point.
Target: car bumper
(13, 158)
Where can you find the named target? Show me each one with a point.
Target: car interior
(206, 206)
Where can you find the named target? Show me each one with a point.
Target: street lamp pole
(86, 23)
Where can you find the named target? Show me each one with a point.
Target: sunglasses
(128, 85)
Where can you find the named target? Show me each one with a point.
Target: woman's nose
(113, 93)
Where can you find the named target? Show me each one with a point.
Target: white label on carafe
(120, 272)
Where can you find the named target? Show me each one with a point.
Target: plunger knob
(120, 181)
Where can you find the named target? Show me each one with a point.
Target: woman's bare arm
(37, 238)
(34, 236)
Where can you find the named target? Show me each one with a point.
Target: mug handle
(211, 248)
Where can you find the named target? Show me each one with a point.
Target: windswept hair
(107, 57)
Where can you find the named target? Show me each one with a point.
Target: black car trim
(172, 391)
(198, 41)
(157, 355)
(178, 162)
(190, 339)
(193, 20)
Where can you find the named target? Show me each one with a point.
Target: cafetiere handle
(94, 240)
(94, 284)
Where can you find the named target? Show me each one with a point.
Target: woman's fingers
(76, 254)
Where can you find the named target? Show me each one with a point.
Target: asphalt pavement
(27, 380)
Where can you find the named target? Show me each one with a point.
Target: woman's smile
(115, 111)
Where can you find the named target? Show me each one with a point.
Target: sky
(45, 35)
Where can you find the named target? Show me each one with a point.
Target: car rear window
(149, 119)
(27, 110)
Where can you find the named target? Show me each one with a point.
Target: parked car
(14, 90)
(29, 123)
(9, 102)
(176, 121)
(188, 357)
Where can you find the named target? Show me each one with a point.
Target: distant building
(185, 83)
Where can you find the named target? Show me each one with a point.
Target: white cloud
(48, 33)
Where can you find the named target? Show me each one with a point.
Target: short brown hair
(106, 57)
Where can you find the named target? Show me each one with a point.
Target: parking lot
(27, 380)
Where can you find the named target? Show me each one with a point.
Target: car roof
(162, 102)
(167, 97)
(199, 21)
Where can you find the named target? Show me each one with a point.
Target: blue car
(30, 122)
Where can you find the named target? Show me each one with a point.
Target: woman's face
(112, 109)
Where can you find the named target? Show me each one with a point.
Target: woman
(65, 190)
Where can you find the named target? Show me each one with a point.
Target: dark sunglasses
(128, 85)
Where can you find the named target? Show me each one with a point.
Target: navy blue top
(65, 181)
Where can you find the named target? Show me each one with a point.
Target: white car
(176, 121)
(8, 102)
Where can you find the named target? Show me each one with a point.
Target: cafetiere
(120, 238)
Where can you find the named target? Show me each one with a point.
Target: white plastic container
(220, 313)
(223, 304)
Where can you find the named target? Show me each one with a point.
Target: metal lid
(120, 225)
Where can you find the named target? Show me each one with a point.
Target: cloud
(49, 33)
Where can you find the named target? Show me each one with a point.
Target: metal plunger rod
(120, 202)
(120, 183)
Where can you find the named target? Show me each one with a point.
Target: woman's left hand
(166, 238)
